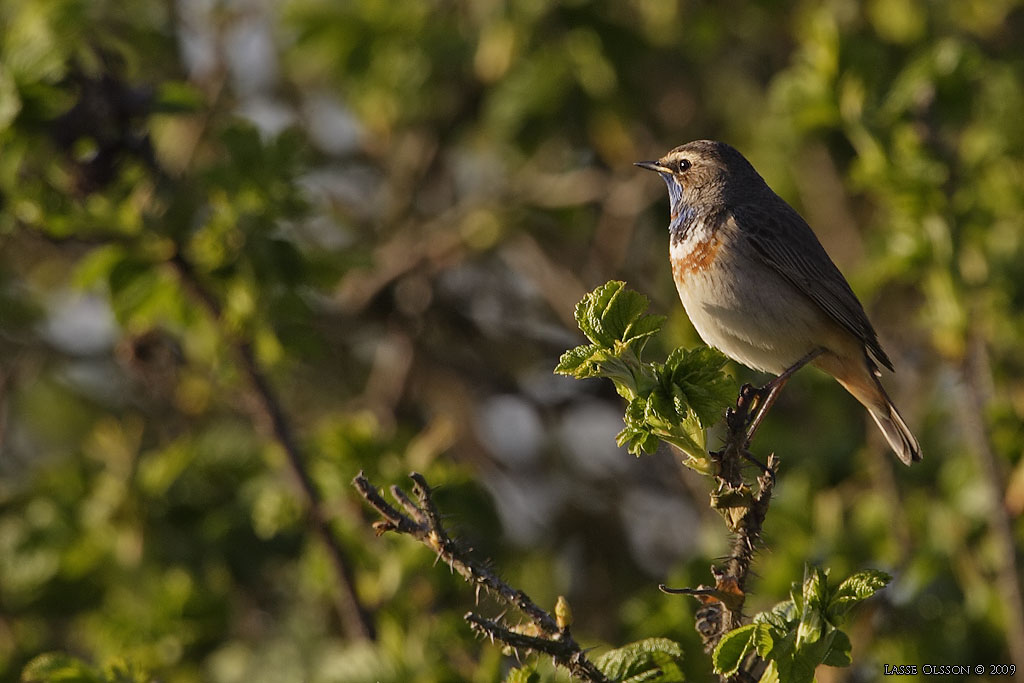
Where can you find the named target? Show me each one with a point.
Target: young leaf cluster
(797, 635)
(672, 401)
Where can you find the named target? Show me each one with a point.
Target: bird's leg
(767, 394)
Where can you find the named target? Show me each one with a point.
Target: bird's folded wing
(785, 242)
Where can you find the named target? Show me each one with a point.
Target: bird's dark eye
(683, 165)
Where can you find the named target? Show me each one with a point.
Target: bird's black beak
(652, 166)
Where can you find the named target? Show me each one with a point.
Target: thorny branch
(422, 521)
(744, 510)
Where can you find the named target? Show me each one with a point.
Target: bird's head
(704, 177)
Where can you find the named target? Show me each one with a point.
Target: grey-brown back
(784, 241)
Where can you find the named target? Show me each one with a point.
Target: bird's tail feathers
(863, 383)
(896, 432)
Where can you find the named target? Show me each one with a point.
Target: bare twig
(565, 651)
(423, 522)
(354, 617)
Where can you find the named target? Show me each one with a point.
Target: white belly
(750, 313)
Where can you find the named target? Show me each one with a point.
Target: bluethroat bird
(758, 285)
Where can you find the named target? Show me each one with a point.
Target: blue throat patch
(683, 216)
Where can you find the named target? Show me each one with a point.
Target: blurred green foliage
(396, 206)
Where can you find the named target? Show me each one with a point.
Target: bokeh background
(386, 211)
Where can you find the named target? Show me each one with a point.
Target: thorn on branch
(543, 633)
(564, 651)
(743, 506)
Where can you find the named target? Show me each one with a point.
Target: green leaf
(10, 100)
(781, 617)
(695, 437)
(637, 435)
(523, 674)
(97, 265)
(654, 660)
(589, 309)
(855, 589)
(120, 671)
(797, 670)
(132, 283)
(36, 42)
(612, 313)
(812, 617)
(815, 586)
(177, 97)
(662, 406)
(623, 308)
(839, 651)
(763, 639)
(732, 648)
(806, 657)
(697, 373)
(770, 674)
(637, 441)
(643, 327)
(57, 667)
(579, 362)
